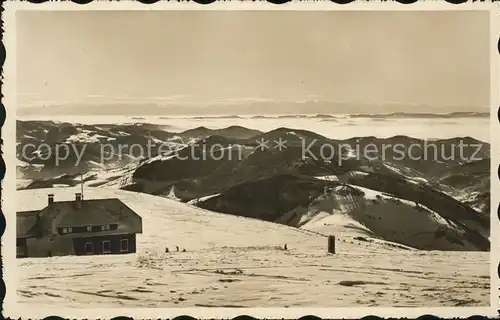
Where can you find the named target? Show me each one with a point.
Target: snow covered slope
(236, 261)
(378, 215)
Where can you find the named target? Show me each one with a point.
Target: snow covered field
(239, 262)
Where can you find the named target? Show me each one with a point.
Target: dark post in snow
(331, 244)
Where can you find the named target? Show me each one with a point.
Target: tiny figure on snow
(286, 248)
(166, 249)
(177, 248)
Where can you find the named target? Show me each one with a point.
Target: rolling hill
(446, 201)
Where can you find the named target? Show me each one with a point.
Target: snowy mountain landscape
(227, 255)
(415, 231)
(172, 160)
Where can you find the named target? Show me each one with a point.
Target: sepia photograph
(252, 159)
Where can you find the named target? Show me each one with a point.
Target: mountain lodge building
(79, 227)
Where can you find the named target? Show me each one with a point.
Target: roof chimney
(51, 199)
(78, 200)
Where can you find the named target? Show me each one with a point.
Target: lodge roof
(97, 212)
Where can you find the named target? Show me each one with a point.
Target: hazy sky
(433, 58)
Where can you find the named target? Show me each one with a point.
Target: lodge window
(124, 245)
(106, 246)
(89, 248)
(95, 228)
(108, 227)
(65, 230)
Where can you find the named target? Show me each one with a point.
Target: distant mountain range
(243, 108)
(445, 200)
(335, 117)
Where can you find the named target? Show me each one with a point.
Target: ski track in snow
(239, 262)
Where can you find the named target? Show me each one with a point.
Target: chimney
(78, 200)
(51, 199)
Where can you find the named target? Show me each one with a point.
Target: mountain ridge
(240, 108)
(185, 172)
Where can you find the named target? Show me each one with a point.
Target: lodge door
(84, 246)
(89, 248)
